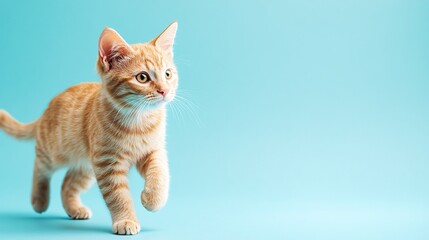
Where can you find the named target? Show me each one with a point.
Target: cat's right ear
(112, 48)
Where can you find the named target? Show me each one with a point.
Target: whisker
(119, 112)
(176, 111)
(186, 105)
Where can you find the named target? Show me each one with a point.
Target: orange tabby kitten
(100, 130)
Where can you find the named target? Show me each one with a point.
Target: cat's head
(142, 74)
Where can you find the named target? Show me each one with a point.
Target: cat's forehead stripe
(152, 59)
(149, 63)
(154, 55)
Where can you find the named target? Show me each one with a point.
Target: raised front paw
(153, 201)
(80, 213)
(126, 227)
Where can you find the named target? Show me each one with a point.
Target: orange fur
(100, 130)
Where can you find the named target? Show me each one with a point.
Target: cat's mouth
(155, 100)
(168, 98)
(160, 100)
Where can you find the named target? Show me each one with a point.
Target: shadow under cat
(21, 223)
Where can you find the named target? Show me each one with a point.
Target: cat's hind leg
(76, 181)
(43, 169)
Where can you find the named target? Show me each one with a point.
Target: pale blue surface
(314, 117)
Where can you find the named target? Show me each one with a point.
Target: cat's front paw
(126, 227)
(80, 213)
(153, 201)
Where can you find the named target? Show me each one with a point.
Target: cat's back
(77, 92)
(64, 119)
(71, 99)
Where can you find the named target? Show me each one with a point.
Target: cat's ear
(112, 48)
(165, 40)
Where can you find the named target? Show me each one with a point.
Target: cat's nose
(163, 92)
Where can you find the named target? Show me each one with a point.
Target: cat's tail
(15, 128)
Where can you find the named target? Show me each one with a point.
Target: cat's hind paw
(126, 227)
(40, 204)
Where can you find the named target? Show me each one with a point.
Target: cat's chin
(156, 105)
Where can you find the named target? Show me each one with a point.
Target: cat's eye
(143, 77)
(168, 74)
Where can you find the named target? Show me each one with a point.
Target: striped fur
(100, 130)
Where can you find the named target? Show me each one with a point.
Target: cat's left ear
(165, 40)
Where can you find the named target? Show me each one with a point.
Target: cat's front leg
(154, 168)
(111, 174)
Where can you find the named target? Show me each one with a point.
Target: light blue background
(312, 117)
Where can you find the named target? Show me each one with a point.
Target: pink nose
(163, 92)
